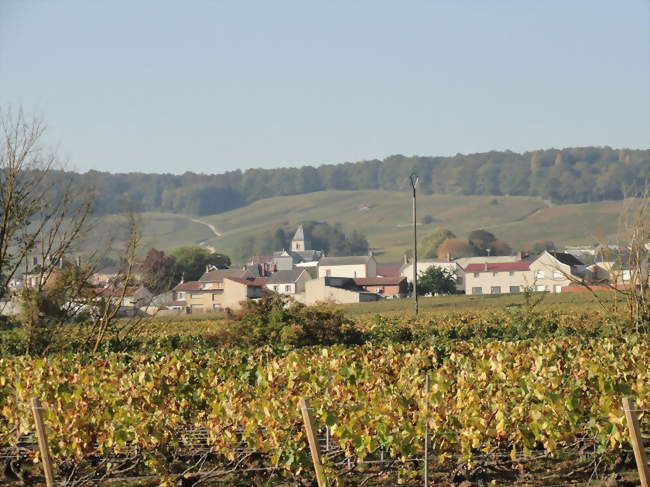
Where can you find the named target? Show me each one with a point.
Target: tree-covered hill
(574, 175)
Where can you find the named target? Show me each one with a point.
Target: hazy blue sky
(209, 86)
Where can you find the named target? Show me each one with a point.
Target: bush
(276, 319)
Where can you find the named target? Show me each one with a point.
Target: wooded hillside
(574, 175)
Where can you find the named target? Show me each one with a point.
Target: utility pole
(414, 183)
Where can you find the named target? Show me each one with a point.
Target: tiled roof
(282, 277)
(389, 270)
(219, 275)
(188, 286)
(116, 292)
(176, 303)
(498, 266)
(257, 282)
(379, 281)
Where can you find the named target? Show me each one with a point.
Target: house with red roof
(497, 277)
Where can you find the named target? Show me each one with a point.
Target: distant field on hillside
(384, 217)
(163, 231)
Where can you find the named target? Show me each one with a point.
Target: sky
(212, 86)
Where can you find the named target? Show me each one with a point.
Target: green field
(580, 302)
(163, 231)
(384, 217)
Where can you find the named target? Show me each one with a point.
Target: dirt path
(213, 229)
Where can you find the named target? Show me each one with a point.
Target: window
(180, 295)
(328, 272)
(495, 290)
(557, 288)
(514, 289)
(557, 275)
(276, 288)
(540, 288)
(476, 274)
(494, 274)
(477, 290)
(539, 274)
(355, 273)
(297, 246)
(626, 275)
(287, 288)
(511, 273)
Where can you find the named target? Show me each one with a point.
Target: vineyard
(494, 410)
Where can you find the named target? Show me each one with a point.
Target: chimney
(406, 259)
(448, 256)
(78, 261)
(182, 277)
(485, 266)
(370, 254)
(520, 255)
(207, 268)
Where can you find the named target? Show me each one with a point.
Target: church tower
(299, 243)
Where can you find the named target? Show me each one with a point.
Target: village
(310, 277)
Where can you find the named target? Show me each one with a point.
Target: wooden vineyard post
(426, 431)
(635, 438)
(310, 428)
(42, 442)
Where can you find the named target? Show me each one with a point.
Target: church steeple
(299, 242)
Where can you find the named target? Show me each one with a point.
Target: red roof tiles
(379, 281)
(521, 265)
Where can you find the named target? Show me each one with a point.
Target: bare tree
(625, 269)
(105, 318)
(41, 214)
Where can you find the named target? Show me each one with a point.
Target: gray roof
(282, 277)
(218, 275)
(352, 260)
(300, 234)
(565, 258)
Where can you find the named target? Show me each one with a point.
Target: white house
(554, 270)
(335, 290)
(288, 282)
(497, 277)
(456, 266)
(356, 266)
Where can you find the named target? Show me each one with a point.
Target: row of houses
(356, 279)
(310, 277)
(549, 271)
(227, 288)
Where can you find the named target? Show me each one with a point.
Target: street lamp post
(414, 182)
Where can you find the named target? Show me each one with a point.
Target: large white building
(356, 266)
